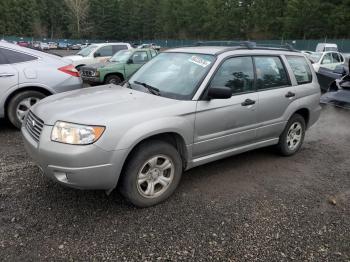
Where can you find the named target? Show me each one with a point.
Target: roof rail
(234, 45)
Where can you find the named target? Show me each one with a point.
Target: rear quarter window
(301, 69)
(14, 57)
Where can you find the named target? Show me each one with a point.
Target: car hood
(100, 105)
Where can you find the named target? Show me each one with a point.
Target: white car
(327, 60)
(325, 47)
(96, 53)
(44, 46)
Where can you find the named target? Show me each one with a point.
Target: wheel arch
(43, 90)
(113, 73)
(173, 138)
(305, 113)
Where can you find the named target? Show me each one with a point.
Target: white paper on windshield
(199, 61)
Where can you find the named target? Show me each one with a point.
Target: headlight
(75, 134)
(95, 73)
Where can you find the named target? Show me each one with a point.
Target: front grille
(87, 73)
(34, 126)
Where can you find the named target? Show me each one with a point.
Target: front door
(138, 59)
(223, 124)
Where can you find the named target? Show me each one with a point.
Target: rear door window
(14, 57)
(106, 51)
(270, 73)
(300, 69)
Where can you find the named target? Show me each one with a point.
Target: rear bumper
(81, 167)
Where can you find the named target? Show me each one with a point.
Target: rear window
(13, 57)
(300, 69)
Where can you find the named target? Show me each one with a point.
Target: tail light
(70, 69)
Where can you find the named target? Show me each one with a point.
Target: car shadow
(6, 126)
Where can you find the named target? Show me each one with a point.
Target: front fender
(178, 125)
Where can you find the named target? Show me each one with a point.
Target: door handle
(6, 74)
(290, 94)
(248, 102)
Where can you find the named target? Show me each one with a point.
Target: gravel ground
(252, 207)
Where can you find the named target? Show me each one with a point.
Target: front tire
(292, 137)
(20, 104)
(152, 174)
(113, 79)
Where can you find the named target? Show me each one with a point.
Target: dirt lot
(252, 207)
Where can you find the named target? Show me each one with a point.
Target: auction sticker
(199, 61)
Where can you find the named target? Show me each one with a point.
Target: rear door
(223, 124)
(8, 74)
(275, 92)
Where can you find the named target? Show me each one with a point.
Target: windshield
(315, 57)
(122, 56)
(87, 50)
(175, 75)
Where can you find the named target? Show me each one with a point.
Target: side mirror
(219, 92)
(97, 54)
(130, 61)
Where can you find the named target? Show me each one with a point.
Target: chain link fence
(343, 44)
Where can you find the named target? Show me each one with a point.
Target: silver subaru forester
(186, 107)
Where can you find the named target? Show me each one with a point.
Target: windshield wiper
(151, 89)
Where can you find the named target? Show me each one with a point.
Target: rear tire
(113, 79)
(152, 173)
(292, 137)
(20, 104)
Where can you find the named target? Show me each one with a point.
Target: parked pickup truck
(96, 53)
(120, 67)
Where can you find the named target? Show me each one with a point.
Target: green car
(118, 68)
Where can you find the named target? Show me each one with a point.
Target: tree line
(176, 19)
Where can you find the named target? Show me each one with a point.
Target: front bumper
(82, 167)
(91, 79)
